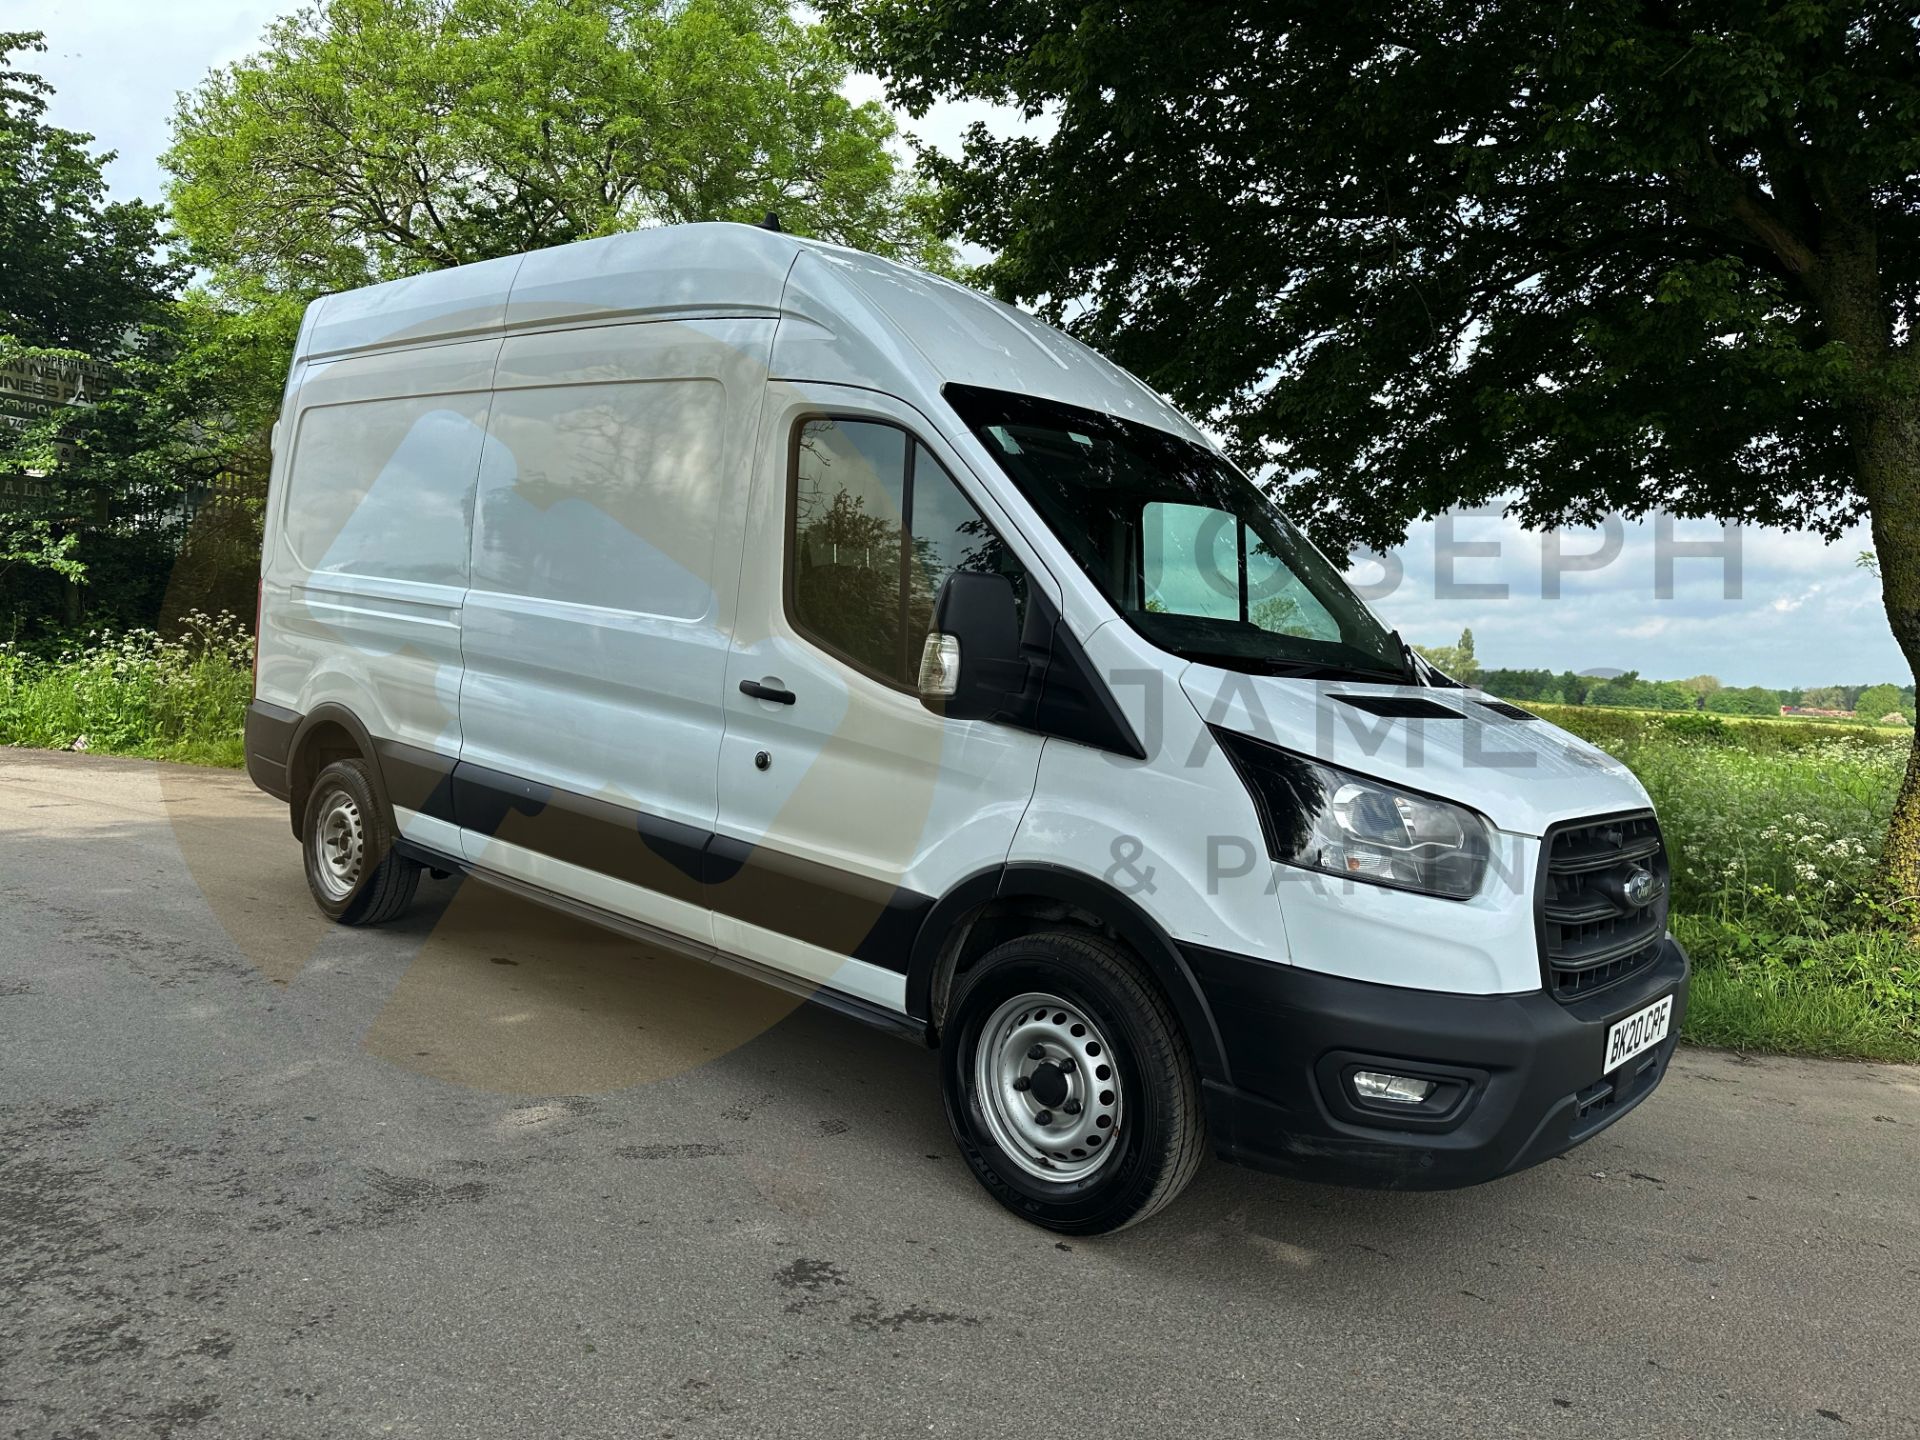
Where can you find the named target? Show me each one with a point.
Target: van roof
(858, 319)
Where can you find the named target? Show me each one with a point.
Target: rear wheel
(1068, 1084)
(352, 869)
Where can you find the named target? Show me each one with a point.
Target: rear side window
(385, 487)
(876, 525)
(603, 495)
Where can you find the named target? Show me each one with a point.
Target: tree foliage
(1878, 701)
(1456, 660)
(1744, 700)
(76, 270)
(1598, 257)
(84, 281)
(376, 138)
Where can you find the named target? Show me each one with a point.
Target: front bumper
(1520, 1078)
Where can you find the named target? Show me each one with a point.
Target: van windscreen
(1188, 550)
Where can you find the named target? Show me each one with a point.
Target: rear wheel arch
(327, 733)
(994, 906)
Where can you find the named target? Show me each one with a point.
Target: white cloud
(1800, 612)
(118, 65)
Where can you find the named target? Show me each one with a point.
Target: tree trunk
(1888, 448)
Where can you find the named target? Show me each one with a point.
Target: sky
(1791, 612)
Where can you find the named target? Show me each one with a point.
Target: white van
(776, 603)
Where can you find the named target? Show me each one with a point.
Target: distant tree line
(1702, 692)
(1630, 690)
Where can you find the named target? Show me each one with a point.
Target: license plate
(1639, 1032)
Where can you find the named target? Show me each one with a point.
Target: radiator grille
(1597, 926)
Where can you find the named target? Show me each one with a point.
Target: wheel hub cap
(1048, 1090)
(339, 843)
(1048, 1084)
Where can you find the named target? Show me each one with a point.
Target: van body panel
(881, 985)
(1482, 946)
(502, 853)
(606, 547)
(428, 831)
(1162, 830)
(365, 563)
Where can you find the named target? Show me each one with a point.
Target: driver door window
(877, 527)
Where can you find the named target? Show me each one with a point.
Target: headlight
(1321, 817)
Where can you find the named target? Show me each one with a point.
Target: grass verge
(1854, 997)
(182, 699)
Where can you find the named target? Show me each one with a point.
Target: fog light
(1395, 1089)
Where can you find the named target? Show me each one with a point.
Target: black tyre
(352, 870)
(1068, 1084)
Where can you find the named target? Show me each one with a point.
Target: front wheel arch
(995, 905)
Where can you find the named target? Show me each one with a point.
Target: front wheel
(355, 874)
(1068, 1084)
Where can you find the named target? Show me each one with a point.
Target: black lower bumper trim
(269, 740)
(1518, 1076)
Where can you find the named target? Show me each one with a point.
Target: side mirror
(970, 667)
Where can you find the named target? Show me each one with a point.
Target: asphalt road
(489, 1173)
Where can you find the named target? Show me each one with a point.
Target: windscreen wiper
(1421, 671)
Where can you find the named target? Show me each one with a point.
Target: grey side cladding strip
(816, 904)
(268, 743)
(628, 845)
(417, 779)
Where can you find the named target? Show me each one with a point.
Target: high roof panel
(680, 269)
(441, 304)
(683, 270)
(871, 317)
(848, 317)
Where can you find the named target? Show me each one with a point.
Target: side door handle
(761, 690)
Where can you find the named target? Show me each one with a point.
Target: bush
(1854, 994)
(136, 693)
(1697, 725)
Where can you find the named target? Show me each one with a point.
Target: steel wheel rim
(1039, 1055)
(339, 843)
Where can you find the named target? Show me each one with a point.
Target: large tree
(76, 270)
(375, 138)
(1420, 253)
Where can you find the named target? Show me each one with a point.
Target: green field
(1774, 827)
(1897, 733)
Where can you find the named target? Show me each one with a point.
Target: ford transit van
(823, 618)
